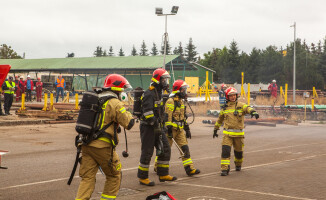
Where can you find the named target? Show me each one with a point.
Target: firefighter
(8, 88)
(151, 132)
(273, 89)
(101, 152)
(17, 89)
(39, 87)
(233, 129)
(176, 123)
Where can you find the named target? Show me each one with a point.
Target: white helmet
(28, 76)
(274, 81)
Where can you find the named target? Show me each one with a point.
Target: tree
(154, 50)
(143, 49)
(168, 48)
(178, 50)
(191, 51)
(98, 52)
(134, 51)
(111, 51)
(70, 55)
(105, 54)
(121, 53)
(6, 52)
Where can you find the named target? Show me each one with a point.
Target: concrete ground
(282, 162)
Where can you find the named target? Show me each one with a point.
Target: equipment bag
(137, 110)
(161, 196)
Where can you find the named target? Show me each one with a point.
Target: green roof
(90, 63)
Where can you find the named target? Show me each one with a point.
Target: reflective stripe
(148, 113)
(162, 165)
(10, 86)
(106, 140)
(156, 81)
(234, 130)
(122, 110)
(156, 158)
(182, 106)
(245, 106)
(233, 133)
(174, 124)
(61, 83)
(118, 167)
(217, 124)
(149, 116)
(143, 165)
(174, 92)
(143, 168)
(117, 89)
(225, 162)
(162, 162)
(107, 197)
(187, 162)
(230, 110)
(238, 160)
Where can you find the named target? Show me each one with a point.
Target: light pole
(159, 12)
(294, 26)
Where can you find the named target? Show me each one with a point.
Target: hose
(193, 114)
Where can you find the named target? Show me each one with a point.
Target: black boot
(224, 173)
(237, 168)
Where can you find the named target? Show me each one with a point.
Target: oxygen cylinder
(137, 110)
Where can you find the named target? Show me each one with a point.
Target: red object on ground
(4, 70)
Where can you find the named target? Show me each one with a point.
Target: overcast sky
(52, 28)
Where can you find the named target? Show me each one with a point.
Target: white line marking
(238, 190)
(134, 168)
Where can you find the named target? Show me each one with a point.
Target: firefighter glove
(254, 114)
(170, 135)
(215, 133)
(188, 134)
(119, 129)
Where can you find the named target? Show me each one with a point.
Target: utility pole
(294, 53)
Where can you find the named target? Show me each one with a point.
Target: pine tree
(105, 54)
(98, 52)
(233, 72)
(175, 51)
(143, 49)
(111, 51)
(6, 52)
(134, 51)
(154, 50)
(121, 53)
(168, 48)
(70, 55)
(191, 51)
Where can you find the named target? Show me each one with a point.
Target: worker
(176, 124)
(221, 95)
(29, 86)
(21, 85)
(273, 89)
(61, 85)
(101, 152)
(39, 87)
(233, 129)
(151, 132)
(17, 89)
(8, 88)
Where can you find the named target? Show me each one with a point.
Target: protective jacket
(9, 88)
(114, 110)
(60, 83)
(233, 117)
(273, 89)
(175, 110)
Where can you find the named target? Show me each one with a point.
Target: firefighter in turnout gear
(232, 115)
(176, 123)
(152, 131)
(101, 152)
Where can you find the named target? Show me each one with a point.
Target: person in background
(273, 89)
(39, 87)
(21, 85)
(17, 88)
(29, 85)
(221, 95)
(61, 84)
(8, 88)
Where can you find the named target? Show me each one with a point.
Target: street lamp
(294, 26)
(159, 12)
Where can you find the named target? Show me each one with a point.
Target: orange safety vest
(60, 83)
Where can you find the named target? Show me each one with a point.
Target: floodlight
(159, 11)
(174, 9)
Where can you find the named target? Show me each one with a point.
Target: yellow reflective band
(233, 133)
(162, 165)
(162, 103)
(156, 81)
(187, 162)
(118, 167)
(155, 105)
(168, 123)
(238, 160)
(182, 106)
(117, 89)
(149, 116)
(245, 106)
(122, 110)
(107, 197)
(156, 158)
(143, 168)
(168, 104)
(231, 110)
(225, 162)
(107, 140)
(174, 92)
(217, 124)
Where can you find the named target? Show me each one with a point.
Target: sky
(53, 28)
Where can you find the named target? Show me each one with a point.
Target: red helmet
(223, 86)
(178, 85)
(160, 74)
(38, 78)
(116, 82)
(230, 91)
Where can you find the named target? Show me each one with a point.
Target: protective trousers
(149, 139)
(92, 159)
(18, 94)
(38, 94)
(238, 144)
(28, 95)
(181, 140)
(8, 102)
